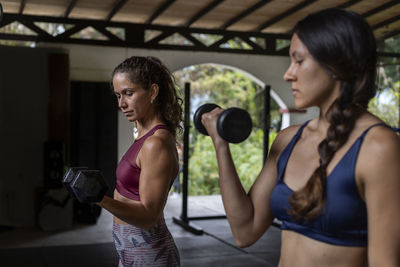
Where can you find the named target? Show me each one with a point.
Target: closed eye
(127, 92)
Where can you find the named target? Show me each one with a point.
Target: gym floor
(92, 245)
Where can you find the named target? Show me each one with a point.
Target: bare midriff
(299, 250)
(119, 197)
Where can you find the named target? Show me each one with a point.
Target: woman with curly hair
(334, 181)
(146, 94)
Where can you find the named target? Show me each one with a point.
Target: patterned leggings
(138, 247)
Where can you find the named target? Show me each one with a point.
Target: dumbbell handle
(197, 116)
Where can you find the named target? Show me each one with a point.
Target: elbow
(243, 242)
(150, 223)
(146, 223)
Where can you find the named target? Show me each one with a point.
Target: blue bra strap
(300, 130)
(379, 124)
(369, 128)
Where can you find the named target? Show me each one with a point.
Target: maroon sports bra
(128, 173)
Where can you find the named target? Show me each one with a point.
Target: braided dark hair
(343, 43)
(150, 70)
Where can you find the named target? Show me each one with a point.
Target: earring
(151, 101)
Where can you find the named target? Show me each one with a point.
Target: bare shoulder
(381, 140)
(159, 141)
(283, 138)
(380, 151)
(158, 149)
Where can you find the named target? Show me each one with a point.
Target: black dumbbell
(87, 186)
(233, 124)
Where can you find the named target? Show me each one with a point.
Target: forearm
(134, 213)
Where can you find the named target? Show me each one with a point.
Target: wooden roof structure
(267, 19)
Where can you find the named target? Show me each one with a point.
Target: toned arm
(158, 164)
(379, 170)
(249, 214)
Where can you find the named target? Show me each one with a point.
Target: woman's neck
(144, 126)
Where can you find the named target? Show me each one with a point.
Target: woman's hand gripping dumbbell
(233, 124)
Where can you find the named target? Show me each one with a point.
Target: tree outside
(386, 103)
(212, 83)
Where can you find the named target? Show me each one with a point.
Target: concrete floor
(92, 245)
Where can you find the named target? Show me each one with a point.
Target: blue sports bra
(343, 220)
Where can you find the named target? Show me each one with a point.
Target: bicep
(382, 196)
(260, 195)
(261, 190)
(157, 164)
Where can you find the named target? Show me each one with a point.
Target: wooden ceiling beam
(160, 10)
(69, 8)
(204, 11)
(385, 22)
(284, 14)
(380, 8)
(117, 6)
(390, 34)
(22, 6)
(348, 4)
(245, 13)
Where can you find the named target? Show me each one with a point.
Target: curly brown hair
(343, 43)
(150, 70)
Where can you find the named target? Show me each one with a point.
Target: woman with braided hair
(334, 181)
(146, 94)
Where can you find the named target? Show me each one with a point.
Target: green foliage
(227, 88)
(386, 105)
(392, 44)
(247, 156)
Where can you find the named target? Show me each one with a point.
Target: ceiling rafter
(380, 8)
(285, 14)
(390, 34)
(202, 12)
(386, 22)
(22, 6)
(160, 10)
(69, 8)
(117, 6)
(245, 13)
(349, 3)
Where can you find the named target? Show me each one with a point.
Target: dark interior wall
(93, 132)
(24, 93)
(38, 103)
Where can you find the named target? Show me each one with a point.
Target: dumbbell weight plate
(234, 125)
(70, 176)
(197, 116)
(89, 186)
